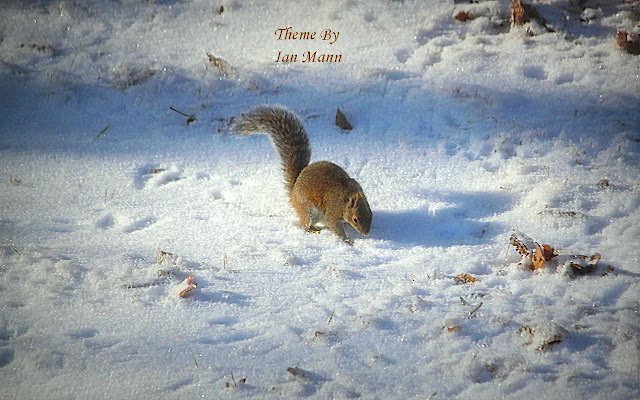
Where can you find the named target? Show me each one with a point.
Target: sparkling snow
(464, 132)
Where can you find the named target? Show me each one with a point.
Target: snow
(464, 132)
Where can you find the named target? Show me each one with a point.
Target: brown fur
(318, 192)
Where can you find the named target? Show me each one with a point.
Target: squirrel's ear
(353, 201)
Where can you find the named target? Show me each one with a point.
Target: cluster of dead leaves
(536, 256)
(629, 42)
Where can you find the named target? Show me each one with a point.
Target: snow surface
(463, 133)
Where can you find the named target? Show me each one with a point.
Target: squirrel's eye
(355, 220)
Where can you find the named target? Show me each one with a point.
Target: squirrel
(320, 192)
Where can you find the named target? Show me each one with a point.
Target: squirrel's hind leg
(305, 213)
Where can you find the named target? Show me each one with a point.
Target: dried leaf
(221, 66)
(295, 371)
(538, 259)
(342, 122)
(523, 243)
(562, 213)
(548, 252)
(629, 42)
(166, 257)
(155, 171)
(518, 13)
(463, 16)
(454, 328)
(581, 265)
(542, 335)
(603, 183)
(465, 278)
(189, 285)
(14, 181)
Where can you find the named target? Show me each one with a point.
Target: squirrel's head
(357, 212)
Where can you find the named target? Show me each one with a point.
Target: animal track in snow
(83, 333)
(104, 222)
(156, 175)
(139, 224)
(535, 72)
(6, 356)
(402, 55)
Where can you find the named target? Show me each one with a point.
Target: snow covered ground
(464, 132)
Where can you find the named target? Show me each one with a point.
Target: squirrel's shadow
(457, 222)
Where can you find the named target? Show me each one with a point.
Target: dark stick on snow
(475, 309)
(101, 133)
(191, 117)
(233, 379)
(331, 317)
(194, 357)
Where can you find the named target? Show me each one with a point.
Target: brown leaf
(548, 252)
(189, 285)
(522, 243)
(518, 13)
(342, 122)
(629, 42)
(584, 264)
(463, 16)
(538, 259)
(465, 278)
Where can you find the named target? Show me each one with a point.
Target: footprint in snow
(535, 72)
(105, 222)
(139, 224)
(224, 320)
(156, 175)
(83, 333)
(6, 356)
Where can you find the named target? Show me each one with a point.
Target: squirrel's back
(287, 134)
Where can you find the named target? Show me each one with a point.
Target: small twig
(331, 317)
(475, 309)
(190, 118)
(12, 247)
(179, 112)
(464, 302)
(194, 357)
(234, 380)
(101, 133)
(106, 192)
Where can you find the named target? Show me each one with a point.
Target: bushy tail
(287, 135)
